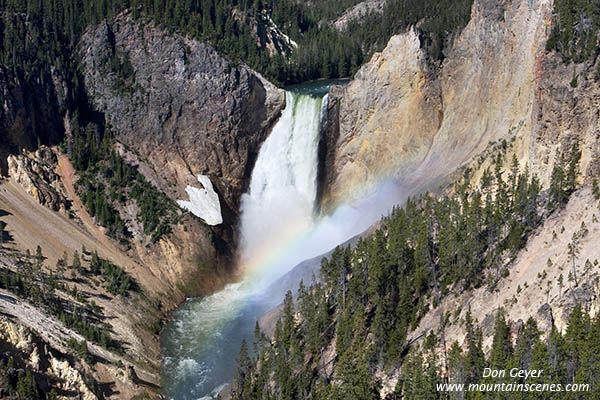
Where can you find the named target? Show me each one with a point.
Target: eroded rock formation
(36, 173)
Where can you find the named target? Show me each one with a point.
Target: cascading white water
(279, 229)
(200, 346)
(283, 187)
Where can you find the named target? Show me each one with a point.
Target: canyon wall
(181, 106)
(177, 110)
(406, 117)
(181, 110)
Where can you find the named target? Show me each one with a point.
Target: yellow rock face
(405, 118)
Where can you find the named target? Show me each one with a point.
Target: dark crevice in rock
(26, 117)
(330, 132)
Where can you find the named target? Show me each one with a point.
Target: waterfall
(201, 344)
(279, 228)
(283, 186)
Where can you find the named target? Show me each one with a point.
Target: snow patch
(203, 203)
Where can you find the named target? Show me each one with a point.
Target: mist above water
(281, 201)
(326, 232)
(279, 229)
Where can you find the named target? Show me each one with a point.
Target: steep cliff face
(566, 103)
(179, 105)
(357, 12)
(378, 113)
(498, 91)
(26, 114)
(405, 118)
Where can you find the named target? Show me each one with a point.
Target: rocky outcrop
(358, 12)
(565, 111)
(36, 173)
(378, 113)
(269, 36)
(54, 369)
(406, 118)
(48, 347)
(179, 105)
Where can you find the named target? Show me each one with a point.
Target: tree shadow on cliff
(33, 117)
(43, 381)
(136, 379)
(5, 236)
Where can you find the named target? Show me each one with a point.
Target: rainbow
(267, 257)
(301, 239)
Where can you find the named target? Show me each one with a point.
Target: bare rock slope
(179, 105)
(404, 117)
(357, 12)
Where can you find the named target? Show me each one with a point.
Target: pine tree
(575, 338)
(415, 382)
(2, 231)
(289, 324)
(242, 375)
(475, 358)
(526, 342)
(501, 344)
(39, 257)
(76, 265)
(458, 369)
(573, 168)
(27, 387)
(595, 189)
(540, 362)
(590, 362)
(573, 250)
(355, 380)
(557, 193)
(557, 356)
(258, 339)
